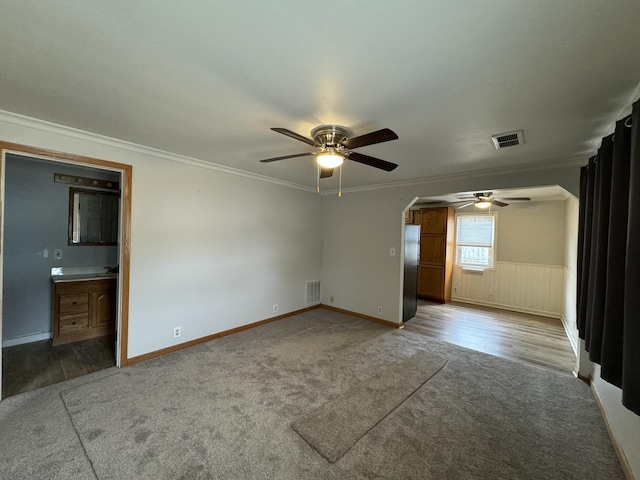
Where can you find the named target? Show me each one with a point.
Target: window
(475, 240)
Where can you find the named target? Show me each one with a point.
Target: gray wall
(36, 218)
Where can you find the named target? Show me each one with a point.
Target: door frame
(124, 235)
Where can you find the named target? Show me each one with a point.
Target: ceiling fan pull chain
(340, 181)
(318, 180)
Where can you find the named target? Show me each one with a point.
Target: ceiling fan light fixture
(329, 158)
(483, 204)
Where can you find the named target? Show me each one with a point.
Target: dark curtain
(608, 289)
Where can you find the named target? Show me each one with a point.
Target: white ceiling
(537, 194)
(208, 79)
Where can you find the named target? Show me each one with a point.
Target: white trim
(548, 265)
(567, 331)
(71, 132)
(45, 126)
(501, 306)
(472, 174)
(34, 337)
(624, 462)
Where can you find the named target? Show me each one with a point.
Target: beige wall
(531, 232)
(571, 275)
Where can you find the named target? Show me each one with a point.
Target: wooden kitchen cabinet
(83, 309)
(436, 254)
(412, 217)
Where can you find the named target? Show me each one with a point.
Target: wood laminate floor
(527, 338)
(34, 365)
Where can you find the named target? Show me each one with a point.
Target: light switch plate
(392, 251)
(57, 253)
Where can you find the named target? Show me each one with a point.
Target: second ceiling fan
(334, 145)
(485, 200)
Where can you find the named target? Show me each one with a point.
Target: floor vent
(312, 292)
(509, 139)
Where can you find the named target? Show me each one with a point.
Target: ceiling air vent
(509, 139)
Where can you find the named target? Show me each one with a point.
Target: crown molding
(70, 132)
(529, 167)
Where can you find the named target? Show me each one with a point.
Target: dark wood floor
(38, 364)
(526, 338)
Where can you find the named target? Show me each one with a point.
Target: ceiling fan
(334, 144)
(485, 200)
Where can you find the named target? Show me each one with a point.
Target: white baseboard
(506, 307)
(573, 341)
(36, 337)
(624, 462)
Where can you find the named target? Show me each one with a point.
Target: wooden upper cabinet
(433, 220)
(412, 217)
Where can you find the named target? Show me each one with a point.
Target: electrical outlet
(455, 289)
(275, 308)
(379, 310)
(392, 251)
(176, 332)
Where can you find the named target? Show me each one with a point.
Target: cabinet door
(433, 220)
(104, 310)
(431, 282)
(432, 249)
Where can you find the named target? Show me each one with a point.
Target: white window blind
(475, 234)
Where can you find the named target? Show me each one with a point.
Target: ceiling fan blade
(515, 199)
(372, 161)
(267, 160)
(498, 203)
(379, 136)
(326, 172)
(465, 205)
(291, 134)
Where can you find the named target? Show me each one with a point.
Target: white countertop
(75, 274)
(82, 277)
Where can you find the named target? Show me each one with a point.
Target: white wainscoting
(522, 287)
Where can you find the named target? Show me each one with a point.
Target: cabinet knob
(74, 303)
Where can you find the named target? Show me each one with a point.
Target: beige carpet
(223, 410)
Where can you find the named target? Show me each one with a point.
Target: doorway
(88, 355)
(533, 273)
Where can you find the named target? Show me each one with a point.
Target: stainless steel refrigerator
(411, 252)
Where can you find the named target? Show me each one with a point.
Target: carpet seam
(66, 408)
(84, 450)
(377, 423)
(394, 409)
(87, 383)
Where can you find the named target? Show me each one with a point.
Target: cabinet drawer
(73, 323)
(73, 303)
